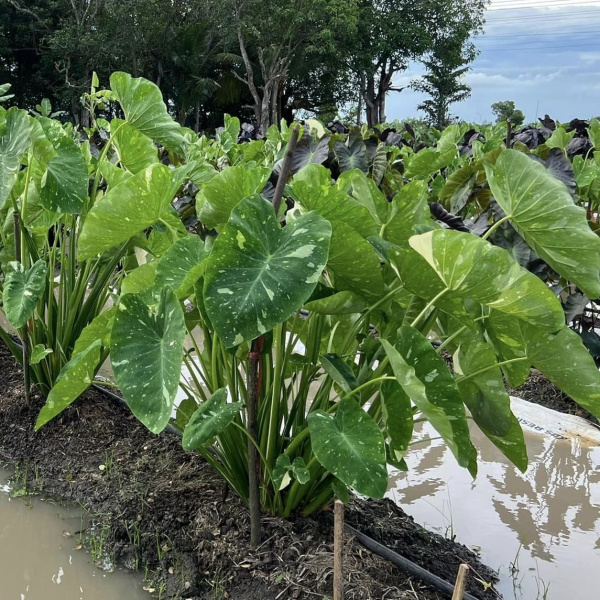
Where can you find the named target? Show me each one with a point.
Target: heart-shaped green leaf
(541, 209)
(473, 268)
(425, 378)
(128, 208)
(351, 447)
(142, 103)
(135, 150)
(259, 274)
(222, 193)
(74, 378)
(146, 350)
(22, 290)
(14, 139)
(209, 420)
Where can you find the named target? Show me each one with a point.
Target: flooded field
(540, 529)
(42, 557)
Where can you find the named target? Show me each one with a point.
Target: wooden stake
(338, 550)
(461, 582)
(23, 330)
(252, 376)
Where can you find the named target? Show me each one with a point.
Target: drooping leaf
(541, 209)
(408, 210)
(209, 420)
(181, 265)
(258, 274)
(66, 181)
(458, 188)
(126, 209)
(74, 378)
(144, 109)
(146, 351)
(22, 290)
(425, 378)
(14, 140)
(350, 446)
(225, 191)
(99, 329)
(38, 353)
(398, 418)
(473, 268)
(339, 371)
(566, 362)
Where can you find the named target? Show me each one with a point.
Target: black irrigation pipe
(368, 542)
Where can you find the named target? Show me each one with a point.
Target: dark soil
(163, 509)
(541, 391)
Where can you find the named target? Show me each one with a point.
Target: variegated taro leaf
(209, 420)
(472, 268)
(74, 378)
(426, 380)
(128, 208)
(14, 140)
(541, 209)
(135, 150)
(258, 274)
(146, 350)
(482, 389)
(22, 290)
(351, 447)
(142, 103)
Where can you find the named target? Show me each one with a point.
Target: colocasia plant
(352, 297)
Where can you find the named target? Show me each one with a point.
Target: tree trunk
(370, 101)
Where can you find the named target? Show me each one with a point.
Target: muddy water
(39, 559)
(540, 529)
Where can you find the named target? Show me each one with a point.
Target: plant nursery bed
(158, 508)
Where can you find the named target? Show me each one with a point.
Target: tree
(506, 111)
(270, 41)
(392, 33)
(444, 81)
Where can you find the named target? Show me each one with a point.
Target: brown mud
(163, 510)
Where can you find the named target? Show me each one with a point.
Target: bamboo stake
(338, 550)
(461, 582)
(253, 379)
(23, 330)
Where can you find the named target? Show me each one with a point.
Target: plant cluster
(160, 249)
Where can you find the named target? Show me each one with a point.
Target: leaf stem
(490, 368)
(429, 305)
(495, 226)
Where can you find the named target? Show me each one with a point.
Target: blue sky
(543, 54)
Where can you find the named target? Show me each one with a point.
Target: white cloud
(589, 57)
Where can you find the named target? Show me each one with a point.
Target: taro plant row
(347, 296)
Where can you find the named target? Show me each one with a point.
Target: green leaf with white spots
(74, 378)
(367, 193)
(144, 109)
(472, 268)
(209, 420)
(140, 280)
(354, 263)
(566, 362)
(99, 329)
(65, 184)
(146, 350)
(182, 265)
(258, 274)
(22, 290)
(351, 447)
(425, 378)
(488, 402)
(226, 190)
(135, 150)
(125, 210)
(38, 353)
(542, 211)
(14, 141)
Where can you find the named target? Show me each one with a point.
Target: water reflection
(553, 509)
